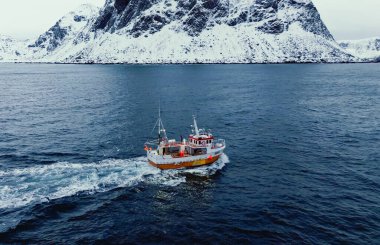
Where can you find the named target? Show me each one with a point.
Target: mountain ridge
(367, 49)
(189, 31)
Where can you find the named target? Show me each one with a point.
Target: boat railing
(219, 143)
(152, 143)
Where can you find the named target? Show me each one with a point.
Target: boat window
(200, 151)
(173, 150)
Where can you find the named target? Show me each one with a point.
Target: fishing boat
(200, 149)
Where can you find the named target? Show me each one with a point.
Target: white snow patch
(364, 48)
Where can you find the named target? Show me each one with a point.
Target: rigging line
(163, 128)
(154, 127)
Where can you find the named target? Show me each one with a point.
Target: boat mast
(159, 121)
(196, 127)
(161, 128)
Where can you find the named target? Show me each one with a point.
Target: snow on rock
(68, 28)
(367, 49)
(205, 31)
(64, 34)
(12, 49)
(189, 31)
(221, 44)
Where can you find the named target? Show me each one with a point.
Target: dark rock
(196, 21)
(197, 15)
(52, 38)
(153, 23)
(377, 44)
(192, 16)
(118, 14)
(210, 4)
(268, 3)
(311, 21)
(121, 5)
(104, 18)
(78, 18)
(272, 26)
(186, 4)
(242, 18)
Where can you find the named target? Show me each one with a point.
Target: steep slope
(194, 16)
(367, 49)
(68, 28)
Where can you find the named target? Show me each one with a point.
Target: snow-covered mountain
(64, 33)
(206, 31)
(12, 49)
(366, 49)
(189, 31)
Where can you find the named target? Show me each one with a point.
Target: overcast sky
(346, 19)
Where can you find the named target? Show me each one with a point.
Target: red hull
(190, 164)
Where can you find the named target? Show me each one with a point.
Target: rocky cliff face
(67, 29)
(194, 16)
(191, 31)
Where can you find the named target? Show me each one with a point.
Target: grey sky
(346, 19)
(30, 18)
(351, 19)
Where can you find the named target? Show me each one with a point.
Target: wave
(42, 183)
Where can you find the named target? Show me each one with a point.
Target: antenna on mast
(159, 109)
(159, 119)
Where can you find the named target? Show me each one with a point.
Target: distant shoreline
(189, 63)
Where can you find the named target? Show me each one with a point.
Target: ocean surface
(302, 164)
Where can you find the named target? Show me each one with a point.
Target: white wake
(42, 183)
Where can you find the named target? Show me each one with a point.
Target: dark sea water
(302, 163)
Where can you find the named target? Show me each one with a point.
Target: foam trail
(209, 170)
(41, 183)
